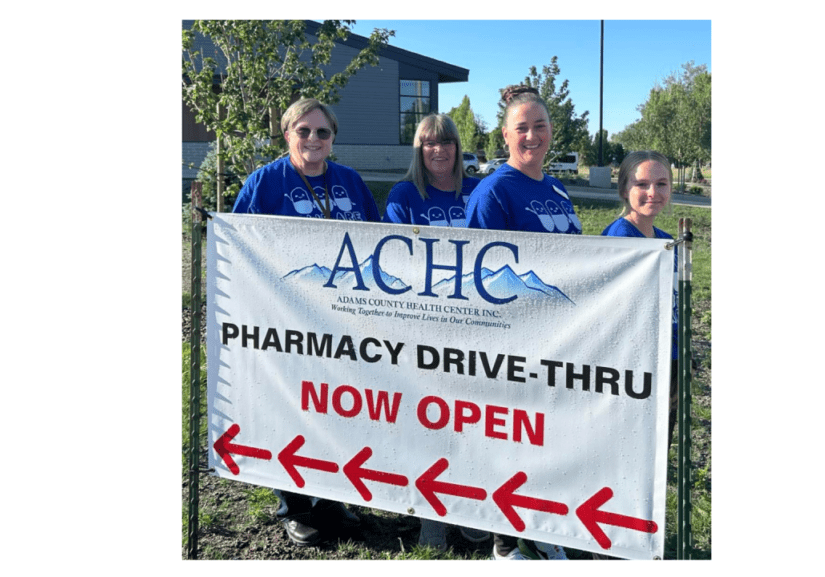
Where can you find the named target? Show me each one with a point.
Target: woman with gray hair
(435, 189)
(304, 183)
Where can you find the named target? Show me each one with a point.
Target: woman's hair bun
(515, 90)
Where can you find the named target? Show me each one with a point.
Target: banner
(512, 382)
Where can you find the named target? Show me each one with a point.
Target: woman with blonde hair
(435, 189)
(519, 196)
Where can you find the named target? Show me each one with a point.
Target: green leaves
(254, 70)
(676, 119)
(569, 129)
(465, 122)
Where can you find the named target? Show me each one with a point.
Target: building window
(414, 105)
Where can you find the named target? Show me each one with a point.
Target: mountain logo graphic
(502, 283)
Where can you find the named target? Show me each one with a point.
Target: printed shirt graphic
(623, 227)
(405, 205)
(278, 189)
(510, 200)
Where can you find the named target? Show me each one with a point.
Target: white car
(491, 166)
(470, 163)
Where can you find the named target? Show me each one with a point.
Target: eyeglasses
(433, 143)
(322, 133)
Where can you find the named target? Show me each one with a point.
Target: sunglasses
(322, 133)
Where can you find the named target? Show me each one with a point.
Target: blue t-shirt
(405, 205)
(623, 227)
(510, 200)
(278, 189)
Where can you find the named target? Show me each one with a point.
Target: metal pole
(601, 98)
(195, 372)
(684, 538)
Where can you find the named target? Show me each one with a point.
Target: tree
(612, 151)
(617, 152)
(466, 122)
(258, 68)
(481, 133)
(676, 119)
(569, 131)
(495, 144)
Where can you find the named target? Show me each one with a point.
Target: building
(377, 113)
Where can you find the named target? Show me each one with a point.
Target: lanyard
(325, 209)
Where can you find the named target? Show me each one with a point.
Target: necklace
(326, 209)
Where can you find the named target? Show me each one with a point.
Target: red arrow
(290, 461)
(355, 472)
(428, 487)
(590, 515)
(506, 501)
(225, 449)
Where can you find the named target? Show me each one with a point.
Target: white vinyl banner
(512, 382)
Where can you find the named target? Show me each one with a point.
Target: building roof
(446, 72)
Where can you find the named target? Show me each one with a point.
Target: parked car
(566, 163)
(470, 163)
(491, 166)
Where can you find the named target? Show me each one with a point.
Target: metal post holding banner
(195, 371)
(683, 476)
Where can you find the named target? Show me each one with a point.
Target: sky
(638, 54)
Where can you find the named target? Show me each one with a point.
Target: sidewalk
(381, 176)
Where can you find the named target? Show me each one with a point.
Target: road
(575, 191)
(612, 194)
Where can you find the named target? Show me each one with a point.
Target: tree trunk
(219, 164)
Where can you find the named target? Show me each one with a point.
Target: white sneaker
(514, 555)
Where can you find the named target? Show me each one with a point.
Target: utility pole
(601, 98)
(599, 175)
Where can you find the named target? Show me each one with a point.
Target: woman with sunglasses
(305, 183)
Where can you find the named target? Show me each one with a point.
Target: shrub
(208, 175)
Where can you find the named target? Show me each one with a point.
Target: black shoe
(301, 534)
(336, 515)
